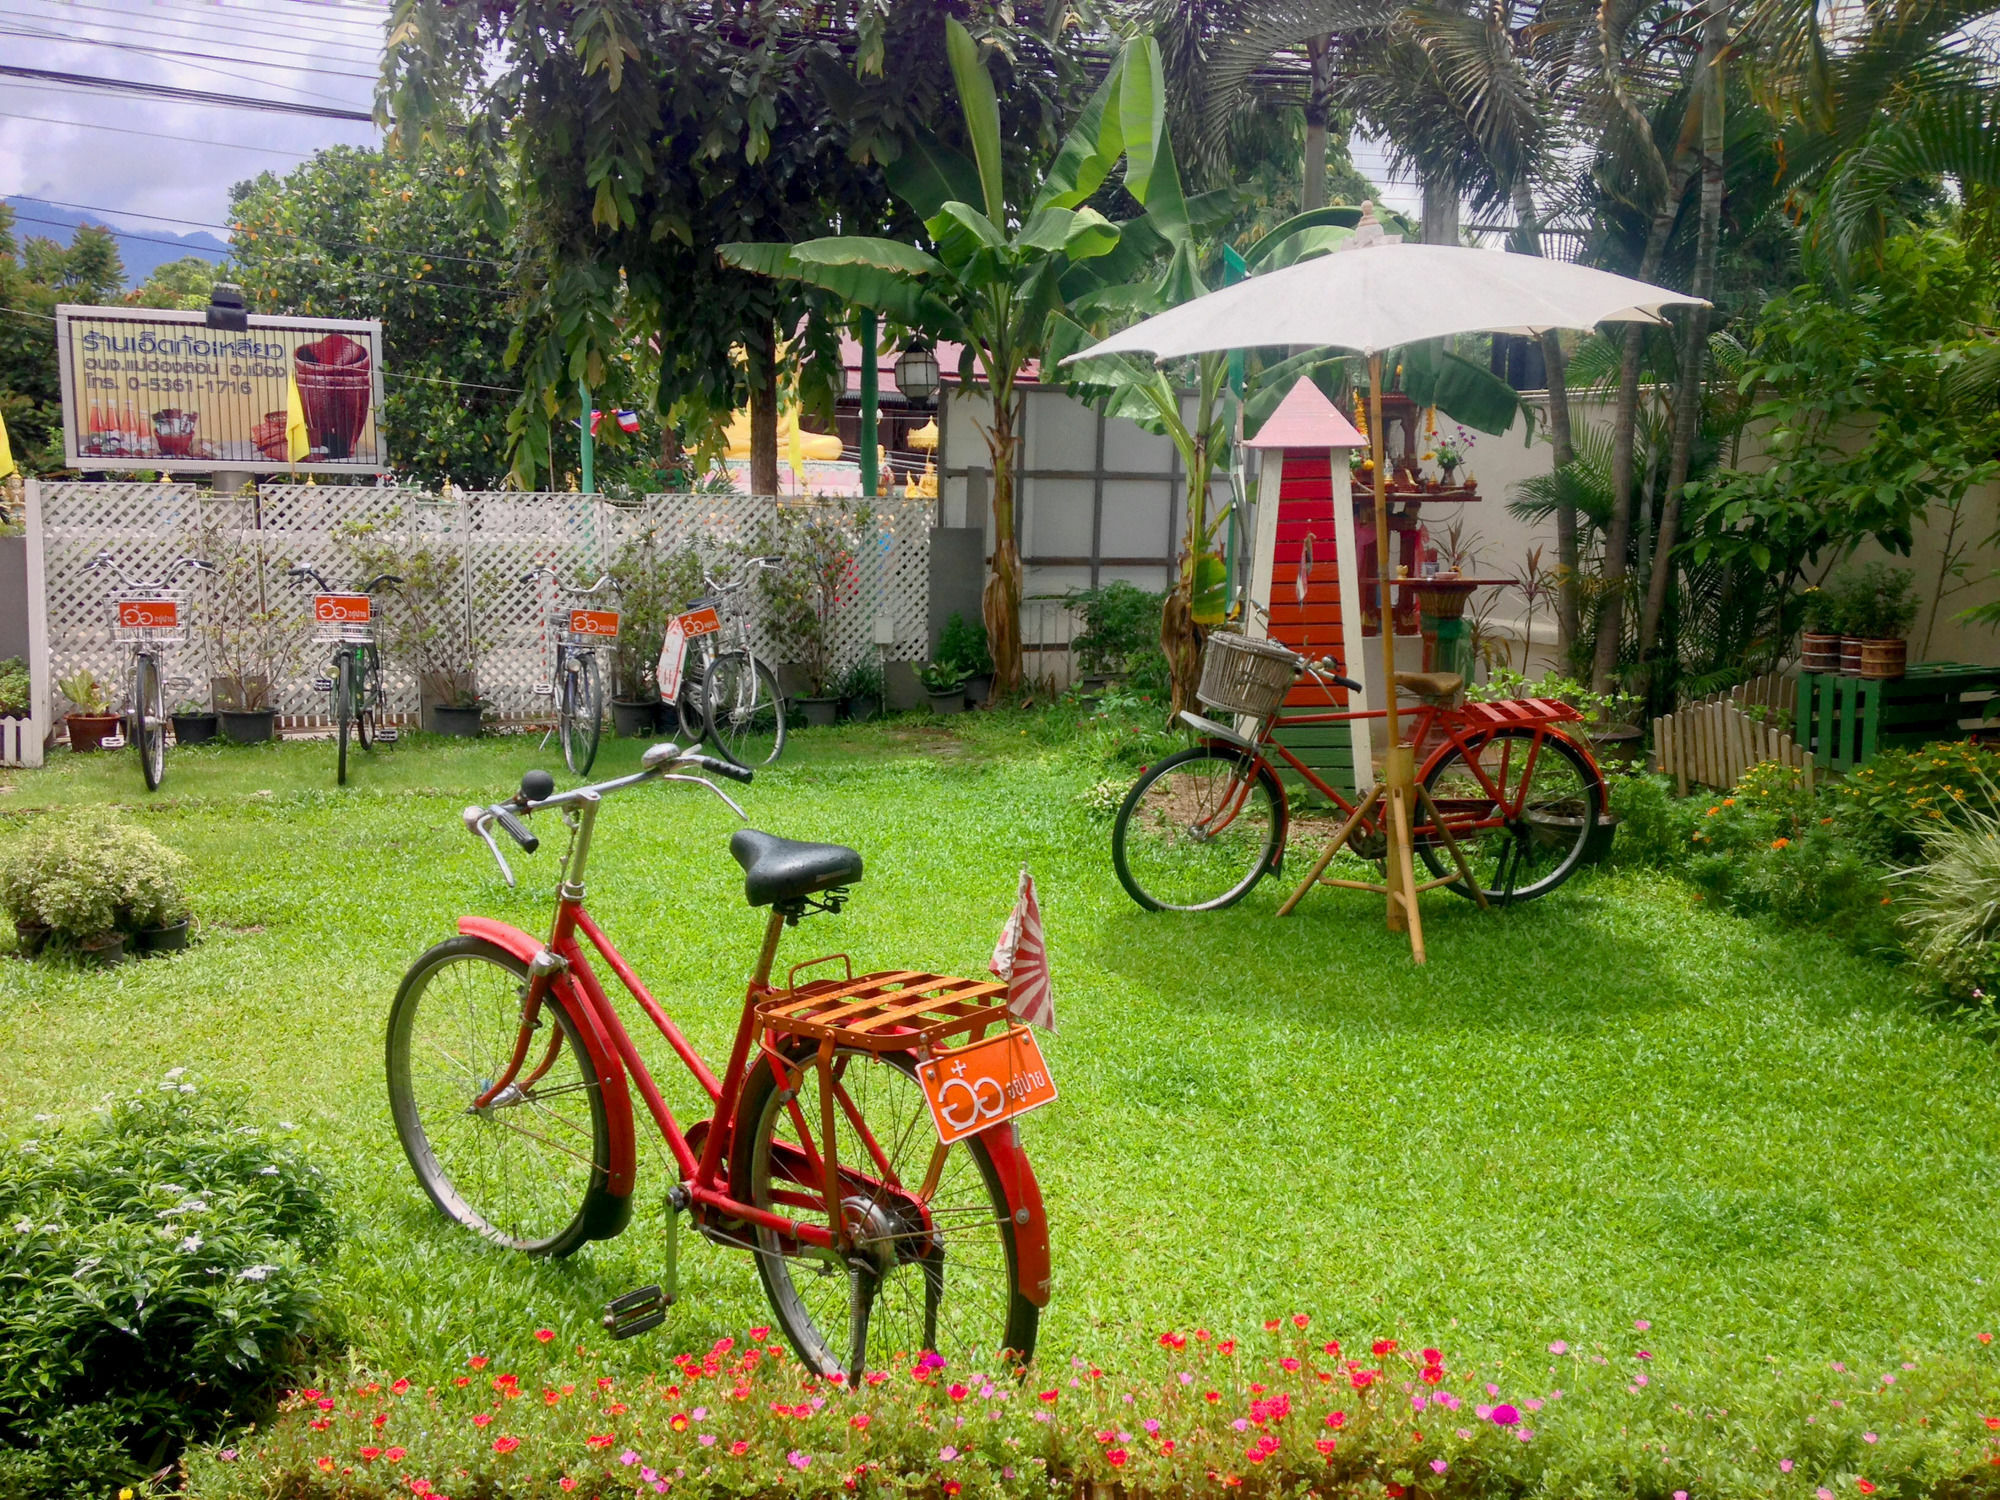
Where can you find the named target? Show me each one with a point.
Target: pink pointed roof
(1306, 419)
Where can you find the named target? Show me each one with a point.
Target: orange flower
(1781, 843)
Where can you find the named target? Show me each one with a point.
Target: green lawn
(1608, 1105)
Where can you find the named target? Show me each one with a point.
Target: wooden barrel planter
(1819, 653)
(1884, 661)
(1850, 655)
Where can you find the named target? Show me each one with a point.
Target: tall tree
(34, 278)
(361, 234)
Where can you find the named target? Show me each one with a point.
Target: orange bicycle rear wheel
(1522, 808)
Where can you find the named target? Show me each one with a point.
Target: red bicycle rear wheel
(1522, 807)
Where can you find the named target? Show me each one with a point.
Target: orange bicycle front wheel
(1198, 830)
(1522, 808)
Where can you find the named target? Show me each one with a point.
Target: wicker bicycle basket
(1242, 676)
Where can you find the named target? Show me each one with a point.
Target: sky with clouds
(128, 156)
(125, 157)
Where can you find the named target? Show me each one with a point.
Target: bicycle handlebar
(106, 560)
(547, 570)
(302, 572)
(663, 762)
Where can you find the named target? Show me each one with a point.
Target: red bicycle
(1501, 781)
(877, 1221)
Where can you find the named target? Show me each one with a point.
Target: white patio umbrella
(1374, 294)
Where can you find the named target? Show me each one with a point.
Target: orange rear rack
(900, 1010)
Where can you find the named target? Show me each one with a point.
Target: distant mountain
(142, 249)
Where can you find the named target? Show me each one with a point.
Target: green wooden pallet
(1845, 721)
(1327, 748)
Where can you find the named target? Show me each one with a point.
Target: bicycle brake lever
(480, 821)
(702, 781)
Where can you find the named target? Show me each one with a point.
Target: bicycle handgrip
(516, 829)
(716, 767)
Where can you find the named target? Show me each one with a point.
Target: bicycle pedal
(638, 1311)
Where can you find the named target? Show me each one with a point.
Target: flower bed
(1288, 1411)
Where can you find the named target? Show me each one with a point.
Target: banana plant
(999, 271)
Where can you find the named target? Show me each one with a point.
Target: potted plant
(966, 644)
(1120, 635)
(63, 885)
(803, 596)
(1819, 639)
(945, 682)
(193, 724)
(91, 723)
(254, 650)
(1885, 608)
(861, 689)
(154, 909)
(654, 582)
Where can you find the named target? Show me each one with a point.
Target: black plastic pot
(30, 938)
(817, 713)
(978, 688)
(162, 939)
(102, 951)
(634, 719)
(863, 706)
(249, 727)
(459, 723)
(194, 729)
(949, 700)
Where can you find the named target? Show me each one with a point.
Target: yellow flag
(7, 464)
(795, 454)
(297, 444)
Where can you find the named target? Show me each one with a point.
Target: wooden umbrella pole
(1398, 768)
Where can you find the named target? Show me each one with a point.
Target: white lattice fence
(489, 540)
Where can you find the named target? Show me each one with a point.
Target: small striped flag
(1022, 959)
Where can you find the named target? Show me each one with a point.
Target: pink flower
(1644, 1354)
(1559, 1347)
(1680, 1495)
(1888, 1380)
(1465, 1434)
(1642, 1325)
(801, 1461)
(1505, 1416)
(1784, 1466)
(1526, 1435)
(1869, 1437)
(1822, 1493)
(1438, 1466)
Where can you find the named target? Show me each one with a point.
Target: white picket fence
(498, 536)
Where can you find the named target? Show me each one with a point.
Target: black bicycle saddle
(776, 869)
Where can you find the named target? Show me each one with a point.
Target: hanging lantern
(917, 373)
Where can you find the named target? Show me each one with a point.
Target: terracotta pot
(1884, 661)
(1818, 653)
(88, 731)
(1850, 656)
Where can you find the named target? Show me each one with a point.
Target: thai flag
(1022, 959)
(628, 421)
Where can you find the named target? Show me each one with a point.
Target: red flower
(1173, 1341)
(371, 1454)
(1396, 1491)
(1202, 1335)
(1361, 1379)
(1985, 1338)
(957, 1392)
(1336, 1419)
(399, 1387)
(1227, 1346)
(1381, 1347)
(1432, 1374)
(1116, 1458)
(482, 1419)
(758, 1335)
(616, 1408)
(568, 1482)
(738, 1449)
(544, 1334)
(1211, 1396)
(1865, 1486)
(1332, 1346)
(599, 1440)
(859, 1421)
(319, 1424)
(1993, 1422)
(1047, 1395)
(462, 1380)
(1300, 1320)
(478, 1361)
(326, 1464)
(1288, 1364)
(1433, 1357)
(604, 1383)
(950, 1487)
(381, 1419)
(678, 1421)
(326, 1403)
(1271, 1325)
(1167, 1446)
(394, 1455)
(506, 1444)
(1326, 1446)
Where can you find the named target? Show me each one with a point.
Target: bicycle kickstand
(645, 1308)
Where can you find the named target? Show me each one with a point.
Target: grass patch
(1607, 1105)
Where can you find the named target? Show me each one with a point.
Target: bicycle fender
(1024, 1195)
(604, 1059)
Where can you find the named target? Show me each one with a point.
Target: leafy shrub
(1950, 907)
(1655, 827)
(963, 642)
(16, 690)
(1902, 795)
(655, 582)
(1598, 709)
(90, 872)
(85, 693)
(1121, 633)
(818, 576)
(159, 1283)
(1289, 1412)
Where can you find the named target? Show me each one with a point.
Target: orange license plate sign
(148, 614)
(340, 609)
(700, 621)
(974, 1088)
(599, 622)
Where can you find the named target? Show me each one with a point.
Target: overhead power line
(422, 253)
(185, 96)
(227, 33)
(155, 135)
(148, 50)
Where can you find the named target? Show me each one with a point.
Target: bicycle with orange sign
(149, 620)
(860, 1141)
(346, 621)
(582, 625)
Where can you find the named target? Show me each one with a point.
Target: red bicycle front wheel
(529, 1171)
(1522, 808)
(1198, 830)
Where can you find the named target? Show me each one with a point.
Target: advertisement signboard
(144, 388)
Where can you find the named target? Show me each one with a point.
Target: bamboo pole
(1399, 767)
